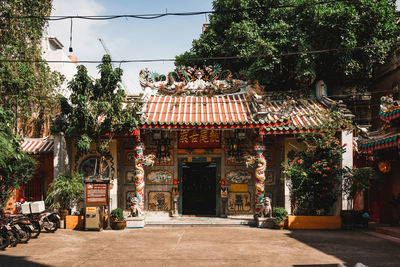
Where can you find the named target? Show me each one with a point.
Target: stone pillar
(259, 148)
(139, 175)
(60, 156)
(347, 161)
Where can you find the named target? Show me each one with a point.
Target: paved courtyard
(203, 246)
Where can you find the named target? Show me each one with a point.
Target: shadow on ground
(351, 247)
(14, 261)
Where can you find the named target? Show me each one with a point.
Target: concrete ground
(203, 246)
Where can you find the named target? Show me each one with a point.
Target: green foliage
(65, 191)
(358, 180)
(315, 173)
(26, 88)
(279, 214)
(261, 29)
(16, 167)
(91, 100)
(118, 215)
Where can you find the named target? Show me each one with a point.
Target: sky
(129, 38)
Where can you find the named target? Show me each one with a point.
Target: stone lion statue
(266, 208)
(134, 207)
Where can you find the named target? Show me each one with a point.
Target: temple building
(208, 143)
(380, 150)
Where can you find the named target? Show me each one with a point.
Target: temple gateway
(208, 143)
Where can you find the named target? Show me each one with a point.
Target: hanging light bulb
(70, 39)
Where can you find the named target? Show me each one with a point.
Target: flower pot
(118, 225)
(313, 222)
(348, 218)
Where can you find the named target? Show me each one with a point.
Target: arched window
(90, 168)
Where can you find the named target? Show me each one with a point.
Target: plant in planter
(65, 191)
(279, 214)
(314, 174)
(117, 219)
(355, 182)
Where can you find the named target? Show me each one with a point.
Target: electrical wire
(160, 15)
(202, 58)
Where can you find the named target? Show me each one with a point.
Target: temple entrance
(199, 188)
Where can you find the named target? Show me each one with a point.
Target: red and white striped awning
(37, 145)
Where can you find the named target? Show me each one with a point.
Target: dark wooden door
(199, 188)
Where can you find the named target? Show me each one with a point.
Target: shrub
(118, 215)
(279, 214)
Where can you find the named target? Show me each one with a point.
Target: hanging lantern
(384, 166)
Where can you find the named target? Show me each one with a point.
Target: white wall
(51, 53)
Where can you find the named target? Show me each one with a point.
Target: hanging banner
(199, 139)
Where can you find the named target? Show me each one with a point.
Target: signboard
(199, 139)
(96, 194)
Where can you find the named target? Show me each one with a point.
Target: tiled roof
(305, 115)
(37, 146)
(231, 110)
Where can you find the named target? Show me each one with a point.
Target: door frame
(201, 159)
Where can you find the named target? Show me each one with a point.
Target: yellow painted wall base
(74, 222)
(314, 222)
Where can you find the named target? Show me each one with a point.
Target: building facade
(207, 143)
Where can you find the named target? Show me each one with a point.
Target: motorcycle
(21, 225)
(18, 229)
(49, 221)
(4, 237)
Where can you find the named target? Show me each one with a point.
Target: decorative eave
(379, 143)
(389, 109)
(390, 115)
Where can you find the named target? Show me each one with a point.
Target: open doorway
(199, 188)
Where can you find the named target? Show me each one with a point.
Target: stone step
(203, 221)
(391, 231)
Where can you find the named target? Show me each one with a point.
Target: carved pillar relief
(139, 175)
(260, 175)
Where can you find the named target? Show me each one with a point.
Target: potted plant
(355, 182)
(117, 219)
(64, 192)
(279, 214)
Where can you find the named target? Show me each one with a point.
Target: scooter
(49, 221)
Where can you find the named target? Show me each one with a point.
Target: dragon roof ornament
(209, 80)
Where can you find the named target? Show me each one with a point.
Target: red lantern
(384, 166)
(175, 181)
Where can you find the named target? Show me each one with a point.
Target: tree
(26, 87)
(94, 113)
(260, 28)
(16, 167)
(314, 174)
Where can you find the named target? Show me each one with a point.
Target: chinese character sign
(199, 139)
